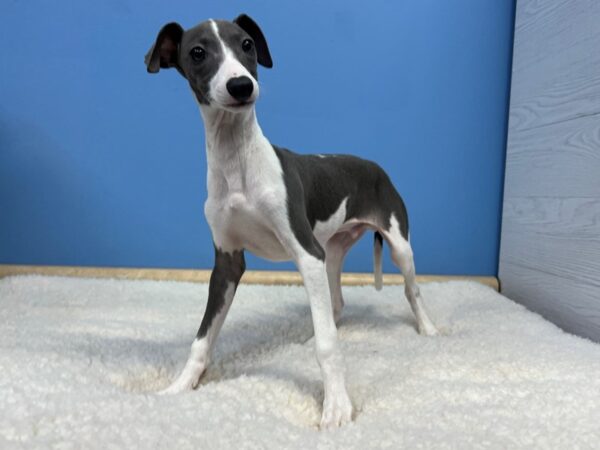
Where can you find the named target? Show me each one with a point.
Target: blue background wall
(102, 164)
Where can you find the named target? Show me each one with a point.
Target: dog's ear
(262, 50)
(164, 51)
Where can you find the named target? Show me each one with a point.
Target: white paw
(427, 328)
(337, 411)
(187, 381)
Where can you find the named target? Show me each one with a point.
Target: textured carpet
(80, 361)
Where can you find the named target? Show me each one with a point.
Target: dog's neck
(228, 134)
(235, 143)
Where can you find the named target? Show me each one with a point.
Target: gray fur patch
(322, 182)
(228, 268)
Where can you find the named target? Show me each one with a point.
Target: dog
(277, 204)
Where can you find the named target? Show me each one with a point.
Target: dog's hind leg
(335, 251)
(402, 256)
(228, 269)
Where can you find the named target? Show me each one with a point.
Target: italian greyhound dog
(278, 204)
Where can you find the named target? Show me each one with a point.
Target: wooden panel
(569, 97)
(571, 305)
(553, 34)
(550, 244)
(559, 236)
(555, 216)
(556, 74)
(203, 276)
(560, 160)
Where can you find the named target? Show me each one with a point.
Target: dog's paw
(427, 328)
(337, 411)
(178, 386)
(188, 380)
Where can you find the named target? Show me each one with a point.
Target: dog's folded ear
(163, 54)
(262, 50)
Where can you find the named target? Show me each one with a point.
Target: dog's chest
(243, 194)
(241, 220)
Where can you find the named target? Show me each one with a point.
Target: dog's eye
(197, 54)
(247, 45)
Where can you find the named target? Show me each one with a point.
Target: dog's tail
(377, 253)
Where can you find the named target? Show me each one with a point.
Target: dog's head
(218, 58)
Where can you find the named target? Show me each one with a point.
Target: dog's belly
(262, 242)
(244, 225)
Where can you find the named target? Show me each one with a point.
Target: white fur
(323, 230)
(402, 255)
(229, 68)
(80, 359)
(246, 209)
(337, 408)
(244, 175)
(201, 351)
(192, 371)
(244, 183)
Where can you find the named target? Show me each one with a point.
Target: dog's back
(324, 181)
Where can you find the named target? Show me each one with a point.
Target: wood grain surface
(550, 243)
(203, 276)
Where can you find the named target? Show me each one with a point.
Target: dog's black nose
(240, 88)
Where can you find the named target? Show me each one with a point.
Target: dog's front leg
(228, 269)
(295, 234)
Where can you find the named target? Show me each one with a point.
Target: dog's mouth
(239, 105)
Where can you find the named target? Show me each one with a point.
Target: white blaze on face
(230, 68)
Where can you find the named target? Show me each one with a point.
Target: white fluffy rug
(81, 360)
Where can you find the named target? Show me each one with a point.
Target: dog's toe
(336, 412)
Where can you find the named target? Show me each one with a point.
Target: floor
(81, 360)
